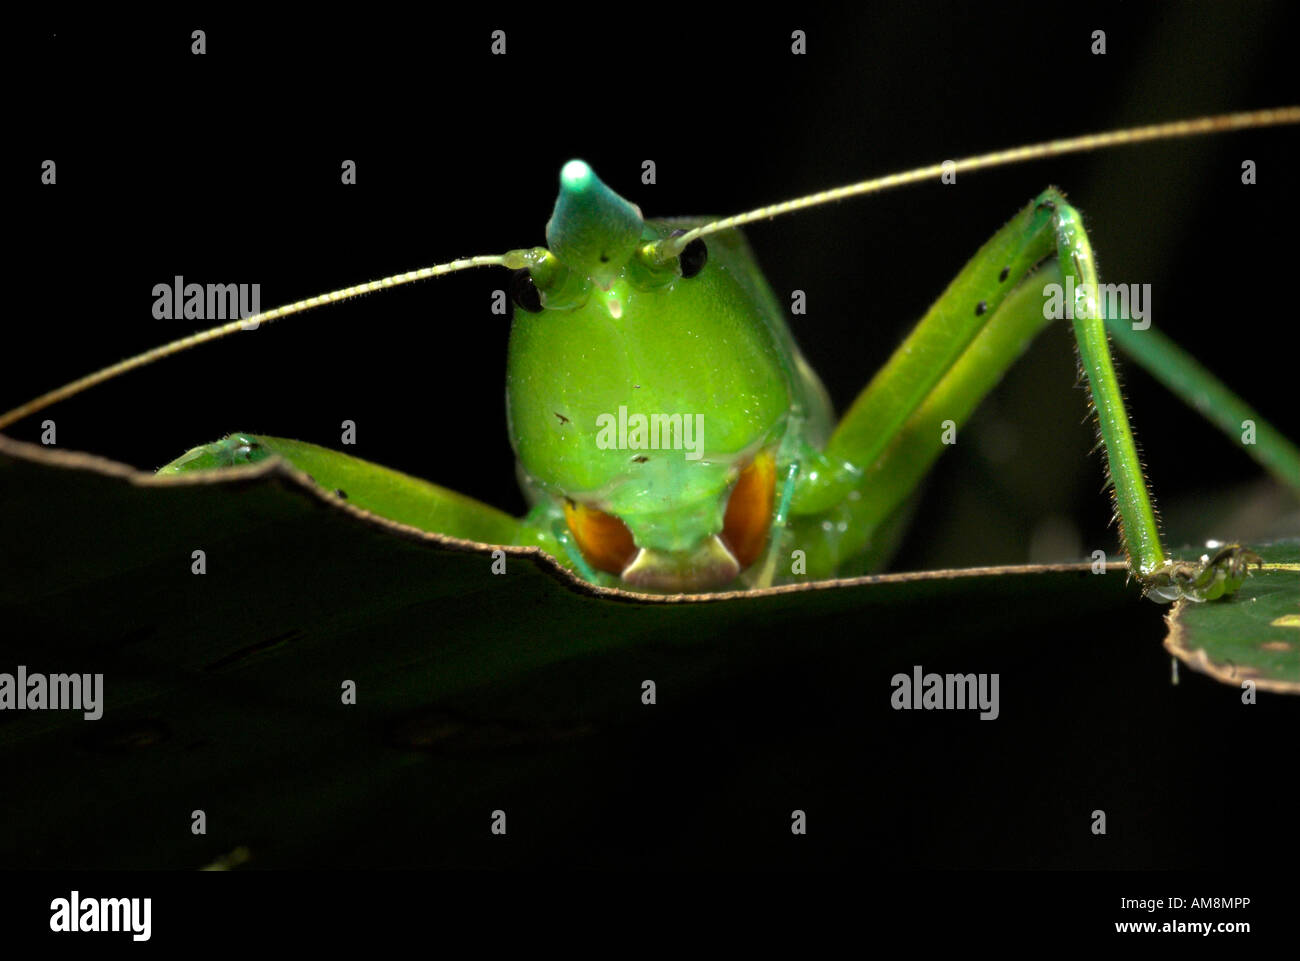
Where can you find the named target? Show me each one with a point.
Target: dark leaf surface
(523, 692)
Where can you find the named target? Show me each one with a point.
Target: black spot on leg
(640, 459)
(1002, 277)
(563, 419)
(340, 493)
(981, 307)
(1047, 205)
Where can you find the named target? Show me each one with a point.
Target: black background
(225, 168)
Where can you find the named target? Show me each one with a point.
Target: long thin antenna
(215, 333)
(673, 246)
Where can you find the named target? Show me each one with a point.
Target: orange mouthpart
(604, 540)
(749, 510)
(607, 544)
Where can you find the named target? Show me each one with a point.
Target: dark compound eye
(694, 257)
(524, 292)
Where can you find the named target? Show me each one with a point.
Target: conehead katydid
(670, 435)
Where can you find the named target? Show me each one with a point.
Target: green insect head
(647, 398)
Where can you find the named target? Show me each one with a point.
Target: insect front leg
(370, 487)
(957, 353)
(861, 529)
(1163, 579)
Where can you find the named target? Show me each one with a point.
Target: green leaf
(1254, 635)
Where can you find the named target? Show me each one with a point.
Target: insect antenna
(670, 247)
(247, 323)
